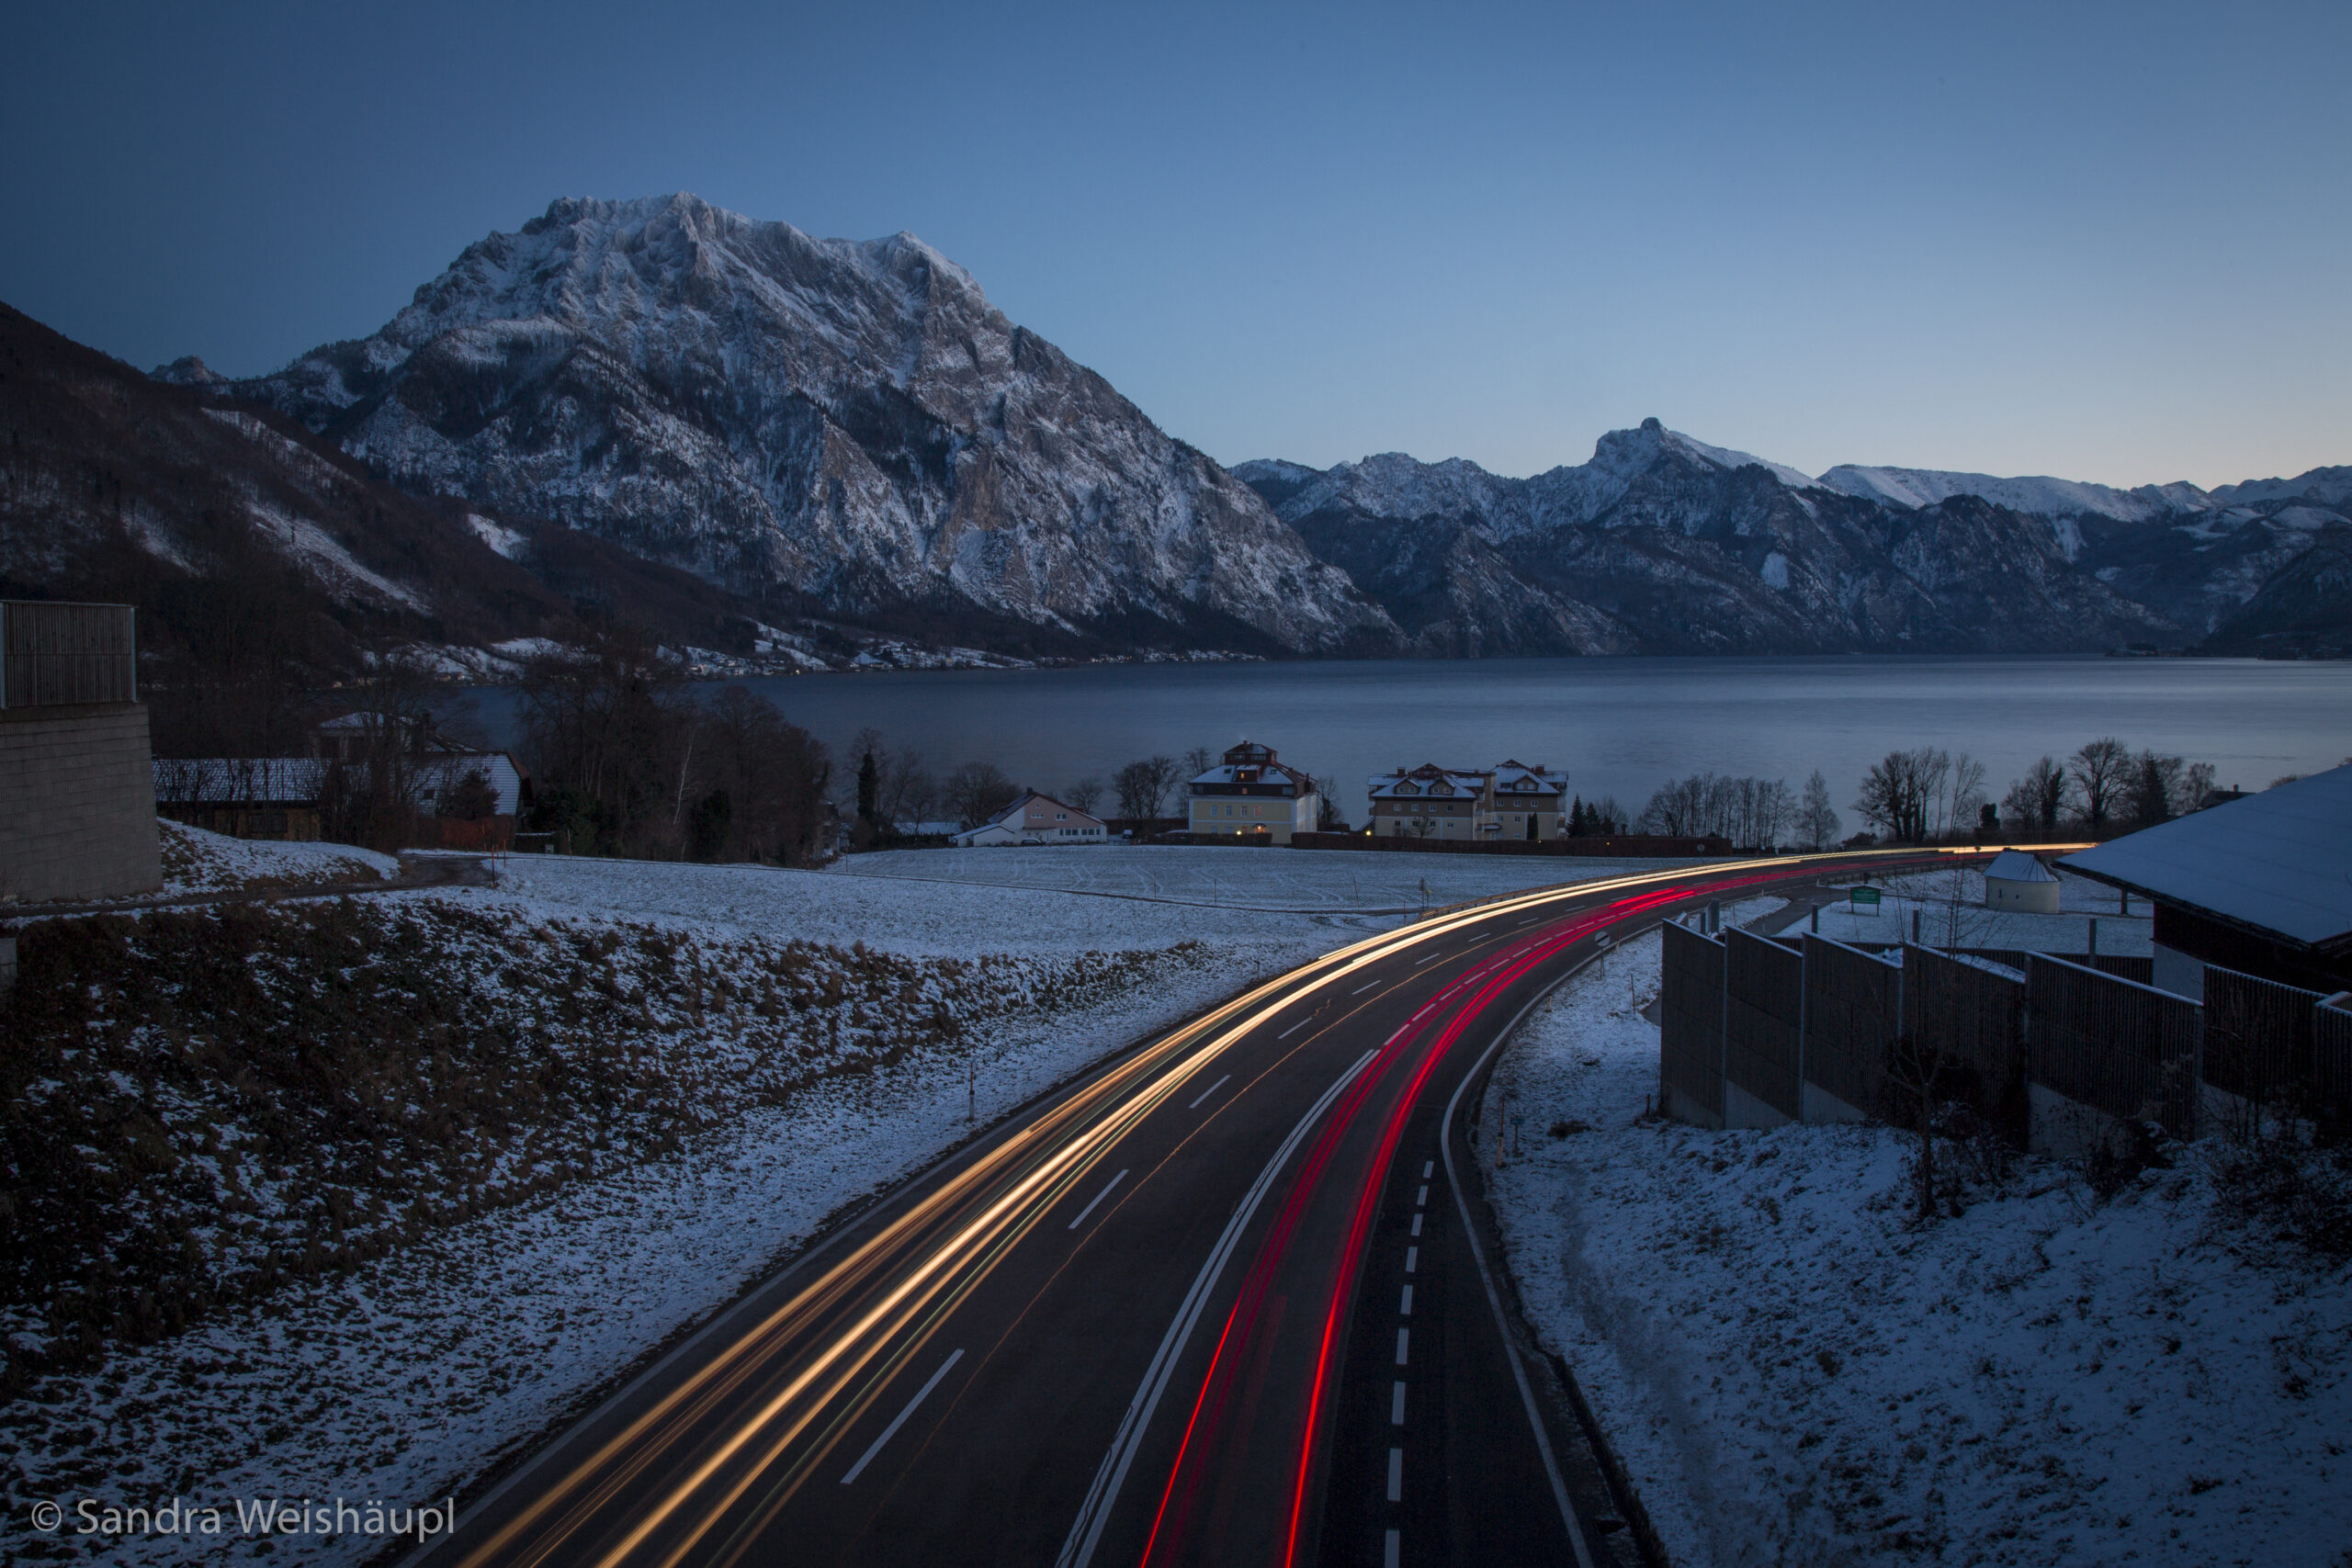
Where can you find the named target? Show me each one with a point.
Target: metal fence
(2258, 1040)
(54, 655)
(2332, 1063)
(1690, 1026)
(1764, 1021)
(2117, 1046)
(1853, 1011)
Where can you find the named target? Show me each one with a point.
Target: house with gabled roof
(1511, 800)
(1252, 794)
(1038, 819)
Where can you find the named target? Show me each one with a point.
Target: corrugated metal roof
(2016, 865)
(2279, 861)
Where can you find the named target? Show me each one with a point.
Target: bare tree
(1816, 821)
(1142, 786)
(1900, 792)
(2041, 797)
(978, 791)
(1085, 794)
(2101, 770)
(1198, 761)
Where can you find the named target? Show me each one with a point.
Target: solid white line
(1085, 1530)
(1295, 1028)
(1098, 1198)
(1404, 1342)
(1397, 1405)
(1206, 1092)
(900, 1420)
(1486, 1278)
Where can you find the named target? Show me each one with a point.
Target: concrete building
(1035, 819)
(1527, 802)
(2262, 886)
(2017, 880)
(1510, 800)
(1252, 794)
(77, 803)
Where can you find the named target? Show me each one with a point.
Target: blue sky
(2109, 243)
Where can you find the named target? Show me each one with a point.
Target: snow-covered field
(1262, 878)
(1951, 907)
(411, 1370)
(196, 861)
(1794, 1373)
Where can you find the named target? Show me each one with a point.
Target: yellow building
(1251, 796)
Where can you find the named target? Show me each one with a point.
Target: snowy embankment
(358, 1197)
(196, 861)
(1794, 1370)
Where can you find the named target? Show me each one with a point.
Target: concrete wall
(77, 803)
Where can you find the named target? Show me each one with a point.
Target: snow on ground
(416, 1370)
(1793, 1372)
(413, 1374)
(1951, 907)
(1262, 878)
(196, 861)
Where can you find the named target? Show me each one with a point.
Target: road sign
(1862, 900)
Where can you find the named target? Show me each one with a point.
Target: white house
(1035, 819)
(2016, 880)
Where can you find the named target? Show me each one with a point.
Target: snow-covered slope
(811, 420)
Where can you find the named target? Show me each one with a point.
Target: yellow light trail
(1029, 1171)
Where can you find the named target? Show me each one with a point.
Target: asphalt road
(1228, 1298)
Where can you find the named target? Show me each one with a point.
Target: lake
(1620, 727)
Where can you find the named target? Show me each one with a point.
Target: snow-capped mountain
(838, 426)
(1663, 543)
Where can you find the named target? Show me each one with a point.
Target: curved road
(1223, 1301)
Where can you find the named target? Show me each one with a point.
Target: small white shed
(2017, 880)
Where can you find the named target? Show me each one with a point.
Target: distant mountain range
(750, 439)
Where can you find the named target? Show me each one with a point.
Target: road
(1228, 1299)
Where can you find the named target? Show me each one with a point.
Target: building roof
(2016, 865)
(1251, 763)
(1518, 778)
(1430, 779)
(2278, 862)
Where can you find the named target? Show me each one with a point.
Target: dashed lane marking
(1206, 1092)
(1098, 1198)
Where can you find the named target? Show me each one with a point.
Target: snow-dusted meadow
(196, 861)
(1247, 878)
(1793, 1371)
(418, 1367)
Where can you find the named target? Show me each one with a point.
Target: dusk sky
(2109, 242)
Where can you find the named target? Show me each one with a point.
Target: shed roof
(2016, 865)
(2278, 862)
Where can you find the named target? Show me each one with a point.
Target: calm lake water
(1621, 727)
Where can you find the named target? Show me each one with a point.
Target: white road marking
(1426, 958)
(1412, 1258)
(1390, 1552)
(1421, 1198)
(900, 1420)
(1086, 1530)
(1295, 1028)
(1530, 920)
(1397, 1405)
(1206, 1092)
(1428, 1166)
(1416, 1224)
(1406, 1309)
(1362, 988)
(1396, 1474)
(1404, 1339)
(1098, 1198)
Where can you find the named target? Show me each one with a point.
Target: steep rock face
(813, 421)
(1663, 544)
